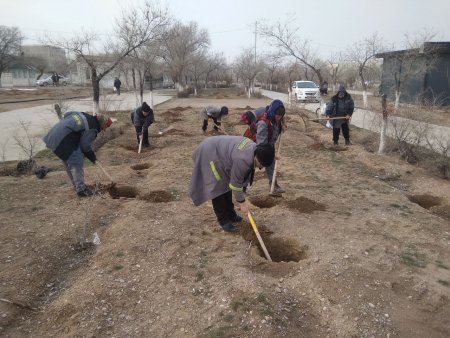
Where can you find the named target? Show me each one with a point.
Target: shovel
(140, 144)
(106, 173)
(165, 130)
(328, 118)
(274, 177)
(220, 129)
(255, 229)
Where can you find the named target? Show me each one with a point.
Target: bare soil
(360, 243)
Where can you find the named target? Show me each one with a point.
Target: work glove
(91, 156)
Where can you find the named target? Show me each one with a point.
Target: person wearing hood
(71, 140)
(341, 105)
(268, 124)
(223, 166)
(214, 113)
(142, 118)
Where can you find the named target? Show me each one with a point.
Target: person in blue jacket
(71, 140)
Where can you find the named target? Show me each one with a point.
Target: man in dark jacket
(341, 105)
(71, 140)
(117, 85)
(223, 166)
(265, 129)
(142, 118)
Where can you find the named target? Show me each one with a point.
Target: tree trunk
(384, 125)
(96, 91)
(151, 91)
(397, 98)
(141, 86)
(364, 87)
(133, 76)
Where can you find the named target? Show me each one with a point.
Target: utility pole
(256, 28)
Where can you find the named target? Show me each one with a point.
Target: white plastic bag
(328, 125)
(96, 239)
(323, 109)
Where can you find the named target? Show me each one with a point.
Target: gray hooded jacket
(221, 164)
(75, 130)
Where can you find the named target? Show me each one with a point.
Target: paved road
(39, 119)
(438, 136)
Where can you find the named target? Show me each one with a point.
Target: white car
(47, 81)
(306, 91)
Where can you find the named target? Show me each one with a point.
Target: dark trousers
(205, 124)
(345, 132)
(144, 135)
(224, 208)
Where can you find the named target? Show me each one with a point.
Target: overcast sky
(330, 26)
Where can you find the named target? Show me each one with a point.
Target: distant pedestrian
(54, 79)
(117, 85)
(71, 140)
(341, 105)
(214, 113)
(223, 166)
(142, 117)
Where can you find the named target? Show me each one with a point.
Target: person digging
(223, 166)
(265, 128)
(71, 140)
(214, 113)
(142, 117)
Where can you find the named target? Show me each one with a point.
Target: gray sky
(330, 26)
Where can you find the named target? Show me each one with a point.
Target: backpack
(251, 130)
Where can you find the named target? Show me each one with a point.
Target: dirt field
(361, 243)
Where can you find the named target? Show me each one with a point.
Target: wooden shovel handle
(255, 229)
(104, 171)
(274, 177)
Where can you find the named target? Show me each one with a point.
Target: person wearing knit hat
(142, 117)
(223, 166)
(268, 124)
(214, 113)
(341, 105)
(71, 140)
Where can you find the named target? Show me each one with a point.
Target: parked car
(306, 91)
(47, 81)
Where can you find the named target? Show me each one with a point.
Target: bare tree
(248, 69)
(10, 43)
(179, 45)
(134, 29)
(214, 63)
(26, 142)
(273, 62)
(334, 62)
(38, 62)
(361, 53)
(289, 43)
(384, 125)
(198, 68)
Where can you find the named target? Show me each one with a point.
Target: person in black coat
(142, 118)
(117, 85)
(341, 105)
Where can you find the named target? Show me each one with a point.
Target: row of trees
(147, 41)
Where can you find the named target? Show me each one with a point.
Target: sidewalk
(39, 119)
